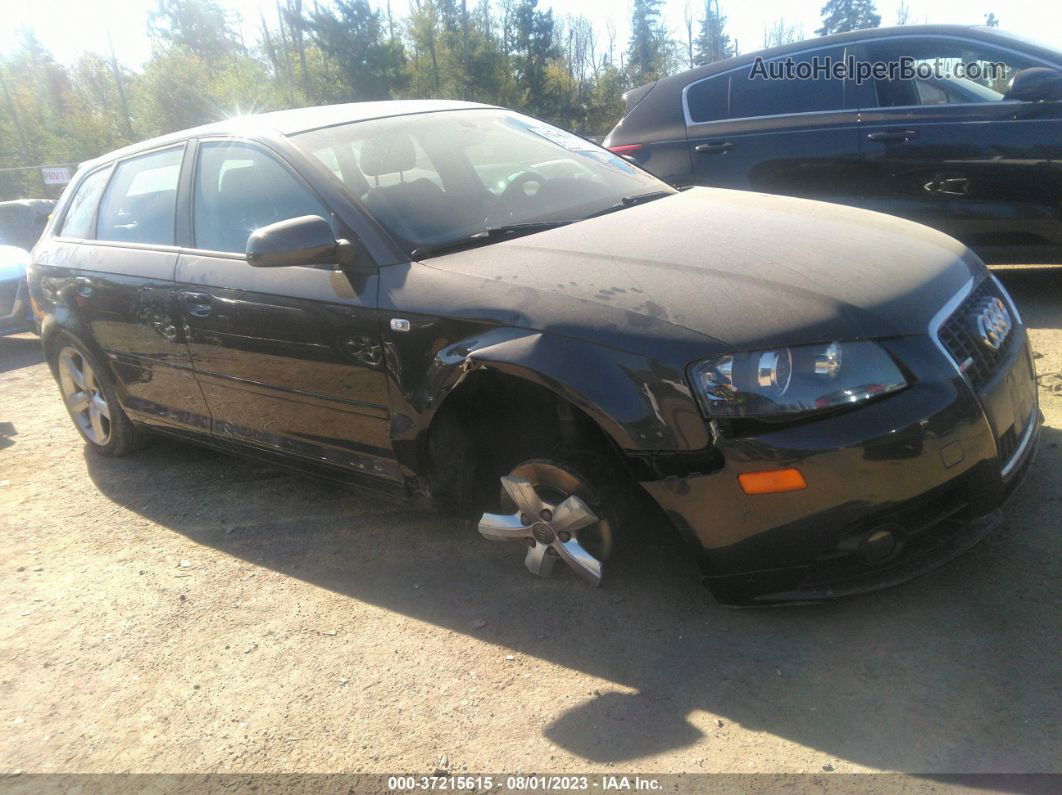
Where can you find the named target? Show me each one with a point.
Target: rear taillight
(623, 150)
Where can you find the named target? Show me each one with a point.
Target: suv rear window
(709, 99)
(141, 200)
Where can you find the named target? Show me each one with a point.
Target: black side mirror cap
(306, 240)
(1037, 84)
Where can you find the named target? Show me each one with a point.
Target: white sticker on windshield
(570, 141)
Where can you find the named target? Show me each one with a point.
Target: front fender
(639, 403)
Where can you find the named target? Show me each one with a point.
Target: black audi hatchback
(968, 140)
(454, 300)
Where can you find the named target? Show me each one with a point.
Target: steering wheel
(514, 193)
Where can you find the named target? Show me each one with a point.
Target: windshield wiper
(631, 201)
(491, 234)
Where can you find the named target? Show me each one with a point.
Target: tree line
(506, 52)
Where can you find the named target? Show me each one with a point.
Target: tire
(91, 401)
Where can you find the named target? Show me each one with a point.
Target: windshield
(437, 178)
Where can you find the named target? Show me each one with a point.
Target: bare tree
(780, 32)
(689, 33)
(903, 13)
(610, 28)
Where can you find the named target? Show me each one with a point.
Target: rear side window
(709, 99)
(239, 188)
(756, 96)
(82, 208)
(141, 199)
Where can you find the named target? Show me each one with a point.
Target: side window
(239, 188)
(947, 72)
(709, 99)
(141, 199)
(78, 219)
(754, 95)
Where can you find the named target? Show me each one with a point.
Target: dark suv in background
(978, 159)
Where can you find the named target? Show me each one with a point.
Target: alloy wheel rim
(83, 396)
(550, 528)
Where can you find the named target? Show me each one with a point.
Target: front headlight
(794, 380)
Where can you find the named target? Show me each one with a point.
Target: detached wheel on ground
(557, 514)
(90, 400)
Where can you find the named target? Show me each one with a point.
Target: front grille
(1008, 443)
(8, 292)
(974, 358)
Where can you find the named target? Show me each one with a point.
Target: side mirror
(307, 240)
(1038, 84)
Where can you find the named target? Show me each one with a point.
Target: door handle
(707, 149)
(83, 286)
(888, 136)
(948, 186)
(196, 304)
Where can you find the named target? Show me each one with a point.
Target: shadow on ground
(957, 671)
(19, 351)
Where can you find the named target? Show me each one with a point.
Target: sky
(68, 27)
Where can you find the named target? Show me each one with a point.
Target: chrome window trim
(128, 244)
(943, 314)
(883, 39)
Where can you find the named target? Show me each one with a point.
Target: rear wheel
(558, 514)
(90, 400)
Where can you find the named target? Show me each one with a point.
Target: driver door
(289, 359)
(957, 155)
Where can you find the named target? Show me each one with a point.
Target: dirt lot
(182, 610)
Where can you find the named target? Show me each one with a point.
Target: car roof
(989, 35)
(295, 120)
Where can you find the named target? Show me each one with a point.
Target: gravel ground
(180, 610)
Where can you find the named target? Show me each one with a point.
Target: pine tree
(648, 51)
(351, 34)
(841, 16)
(713, 43)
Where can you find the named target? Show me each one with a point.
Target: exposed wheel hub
(550, 530)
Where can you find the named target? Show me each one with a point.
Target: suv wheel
(557, 514)
(90, 400)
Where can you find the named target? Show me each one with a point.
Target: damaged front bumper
(927, 469)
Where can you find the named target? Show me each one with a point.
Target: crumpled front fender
(639, 403)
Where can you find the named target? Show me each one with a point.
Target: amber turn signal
(772, 481)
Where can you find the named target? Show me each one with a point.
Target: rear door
(121, 255)
(289, 359)
(791, 136)
(952, 152)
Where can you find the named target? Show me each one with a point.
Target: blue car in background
(21, 223)
(15, 311)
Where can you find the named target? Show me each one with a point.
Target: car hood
(742, 268)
